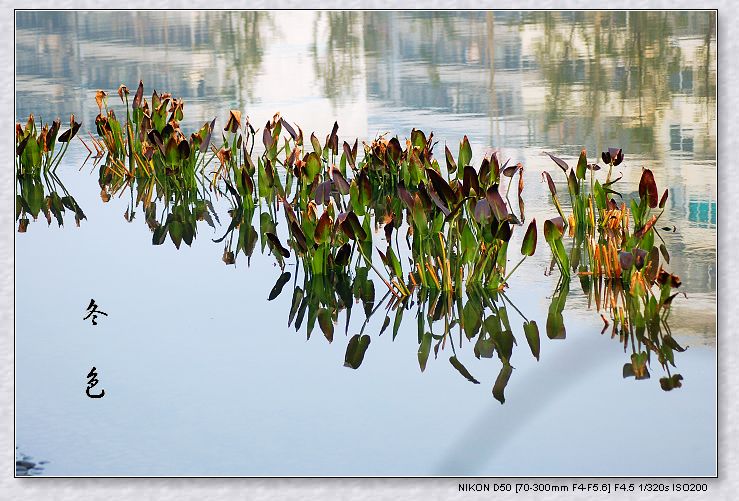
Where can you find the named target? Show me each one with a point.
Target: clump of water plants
(45, 194)
(150, 142)
(37, 147)
(322, 203)
(479, 316)
(458, 227)
(618, 261)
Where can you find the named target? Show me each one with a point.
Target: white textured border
(727, 485)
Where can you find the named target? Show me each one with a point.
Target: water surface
(202, 374)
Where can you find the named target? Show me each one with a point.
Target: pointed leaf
(139, 96)
(528, 246)
(501, 382)
(323, 228)
(648, 188)
(552, 188)
(355, 351)
(441, 187)
(462, 369)
(289, 129)
(553, 229)
(277, 289)
(423, 350)
(277, 245)
(532, 337)
(451, 165)
(465, 153)
(561, 163)
(582, 165)
(327, 325)
(316, 145)
(663, 200)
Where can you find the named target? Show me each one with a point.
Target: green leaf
(354, 198)
(297, 298)
(277, 289)
(175, 232)
(555, 321)
(501, 382)
(423, 350)
(320, 259)
(572, 185)
(394, 262)
(160, 235)
(451, 166)
(469, 245)
(355, 351)
(504, 342)
(312, 166)
(528, 246)
(532, 337)
(471, 318)
(326, 323)
(385, 324)
(465, 154)
(316, 145)
(462, 369)
(582, 165)
(600, 196)
(553, 229)
(398, 321)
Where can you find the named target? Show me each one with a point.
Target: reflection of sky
(194, 350)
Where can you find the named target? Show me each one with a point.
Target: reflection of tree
(628, 61)
(407, 54)
(100, 50)
(338, 66)
(241, 42)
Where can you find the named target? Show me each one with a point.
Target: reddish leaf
(451, 165)
(441, 186)
(648, 188)
(139, 95)
(299, 237)
(289, 129)
(552, 188)
(348, 154)
(496, 203)
(340, 181)
(470, 182)
(277, 245)
(323, 228)
(267, 137)
(663, 200)
(561, 163)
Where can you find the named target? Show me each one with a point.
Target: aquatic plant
(456, 220)
(479, 316)
(613, 252)
(150, 143)
(43, 193)
(36, 147)
(458, 228)
(182, 204)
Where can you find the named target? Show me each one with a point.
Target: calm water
(201, 373)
